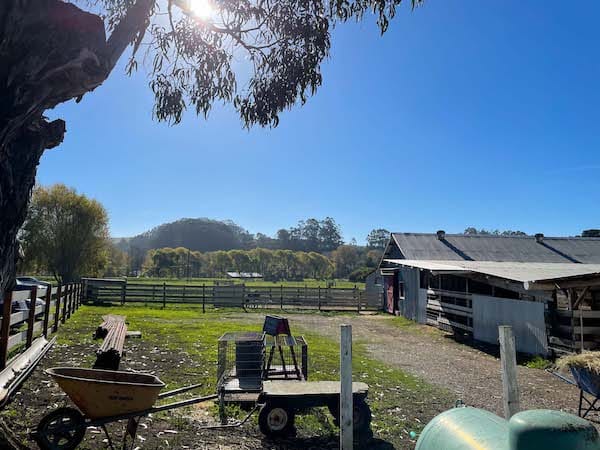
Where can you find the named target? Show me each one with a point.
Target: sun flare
(202, 9)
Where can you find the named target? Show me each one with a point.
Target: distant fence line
(48, 308)
(235, 295)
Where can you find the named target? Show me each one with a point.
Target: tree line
(66, 236)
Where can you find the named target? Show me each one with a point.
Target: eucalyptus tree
(52, 51)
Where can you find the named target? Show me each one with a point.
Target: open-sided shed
(552, 304)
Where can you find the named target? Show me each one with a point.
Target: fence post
(5, 328)
(203, 298)
(47, 309)
(319, 297)
(358, 302)
(57, 310)
(73, 298)
(508, 360)
(70, 303)
(31, 316)
(123, 292)
(65, 302)
(281, 296)
(346, 407)
(164, 294)
(183, 295)
(153, 292)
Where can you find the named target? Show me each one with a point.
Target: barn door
(389, 293)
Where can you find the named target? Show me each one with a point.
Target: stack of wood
(114, 331)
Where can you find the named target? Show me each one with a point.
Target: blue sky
(465, 113)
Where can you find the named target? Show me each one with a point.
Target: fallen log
(108, 356)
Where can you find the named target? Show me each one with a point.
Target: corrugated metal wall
(526, 319)
(409, 307)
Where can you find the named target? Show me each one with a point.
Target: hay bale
(585, 360)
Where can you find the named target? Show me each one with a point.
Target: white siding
(526, 318)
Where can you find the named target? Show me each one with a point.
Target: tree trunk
(18, 163)
(50, 52)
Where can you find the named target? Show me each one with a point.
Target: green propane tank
(468, 428)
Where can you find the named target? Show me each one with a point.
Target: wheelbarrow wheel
(62, 429)
(276, 420)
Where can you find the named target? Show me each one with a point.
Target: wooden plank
(19, 317)
(286, 388)
(346, 407)
(508, 360)
(449, 305)
(17, 339)
(586, 314)
(451, 323)
(577, 329)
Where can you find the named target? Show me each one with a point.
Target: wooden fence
(236, 295)
(59, 302)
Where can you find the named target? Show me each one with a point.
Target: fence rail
(236, 295)
(47, 309)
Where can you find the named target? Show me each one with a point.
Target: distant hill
(204, 235)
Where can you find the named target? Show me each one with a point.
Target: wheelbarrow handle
(562, 377)
(179, 391)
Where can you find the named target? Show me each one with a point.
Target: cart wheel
(62, 429)
(276, 420)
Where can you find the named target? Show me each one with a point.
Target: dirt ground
(472, 374)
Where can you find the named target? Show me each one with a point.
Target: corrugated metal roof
(515, 271)
(459, 247)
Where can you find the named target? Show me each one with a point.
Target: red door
(389, 293)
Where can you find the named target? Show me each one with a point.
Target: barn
(546, 288)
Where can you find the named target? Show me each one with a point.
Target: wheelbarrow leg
(580, 403)
(110, 444)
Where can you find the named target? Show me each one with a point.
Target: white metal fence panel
(526, 319)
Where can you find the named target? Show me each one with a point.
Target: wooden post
(31, 316)
(5, 328)
(358, 301)
(281, 296)
(47, 310)
(153, 292)
(183, 294)
(319, 297)
(346, 407)
(65, 301)
(203, 298)
(164, 294)
(581, 326)
(508, 360)
(123, 293)
(73, 299)
(57, 311)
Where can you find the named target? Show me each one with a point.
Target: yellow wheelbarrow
(105, 396)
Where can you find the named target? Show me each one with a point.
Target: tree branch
(134, 23)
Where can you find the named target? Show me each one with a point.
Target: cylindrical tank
(475, 429)
(465, 428)
(547, 429)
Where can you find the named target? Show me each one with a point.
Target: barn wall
(526, 319)
(409, 307)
